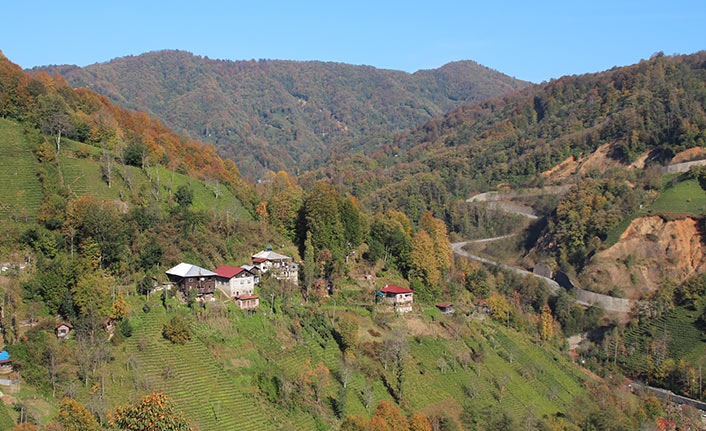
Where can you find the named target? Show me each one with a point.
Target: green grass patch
(82, 172)
(21, 190)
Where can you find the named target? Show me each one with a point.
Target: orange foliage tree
(153, 412)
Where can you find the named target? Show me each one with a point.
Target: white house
(397, 298)
(235, 281)
(281, 266)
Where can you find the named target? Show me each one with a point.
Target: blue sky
(531, 40)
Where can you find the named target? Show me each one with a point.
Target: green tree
(91, 297)
(353, 222)
(699, 172)
(177, 330)
(308, 268)
(184, 196)
(347, 332)
(389, 240)
(322, 218)
(54, 117)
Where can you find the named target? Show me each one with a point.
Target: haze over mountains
(284, 115)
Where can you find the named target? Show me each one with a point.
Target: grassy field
(82, 174)
(212, 398)
(678, 328)
(6, 422)
(516, 375)
(22, 192)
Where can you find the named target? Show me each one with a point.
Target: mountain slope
(656, 106)
(283, 114)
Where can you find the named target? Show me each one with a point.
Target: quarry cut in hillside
(649, 252)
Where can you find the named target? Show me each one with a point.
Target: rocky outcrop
(649, 252)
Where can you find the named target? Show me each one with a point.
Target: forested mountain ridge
(273, 114)
(656, 105)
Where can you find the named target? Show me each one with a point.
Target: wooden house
(235, 281)
(282, 266)
(397, 298)
(63, 330)
(186, 276)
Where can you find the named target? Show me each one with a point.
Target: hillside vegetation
(82, 173)
(283, 115)
(126, 137)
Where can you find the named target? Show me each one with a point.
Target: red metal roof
(444, 304)
(63, 324)
(391, 288)
(258, 260)
(228, 271)
(245, 297)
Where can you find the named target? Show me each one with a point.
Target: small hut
(445, 307)
(63, 330)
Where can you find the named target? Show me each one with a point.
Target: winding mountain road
(610, 304)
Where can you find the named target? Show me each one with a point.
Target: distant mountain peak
(252, 111)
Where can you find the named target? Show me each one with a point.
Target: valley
(468, 251)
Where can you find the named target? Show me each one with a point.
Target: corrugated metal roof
(189, 270)
(270, 255)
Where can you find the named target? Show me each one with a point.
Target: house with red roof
(237, 282)
(398, 298)
(63, 330)
(445, 307)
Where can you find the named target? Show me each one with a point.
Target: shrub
(125, 328)
(177, 330)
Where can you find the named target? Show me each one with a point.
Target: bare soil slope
(650, 251)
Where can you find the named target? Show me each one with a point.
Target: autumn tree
(419, 422)
(546, 323)
(442, 246)
(423, 264)
(74, 416)
(388, 417)
(152, 412)
(119, 308)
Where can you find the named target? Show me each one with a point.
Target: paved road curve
(583, 297)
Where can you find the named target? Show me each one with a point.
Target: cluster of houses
(236, 282)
